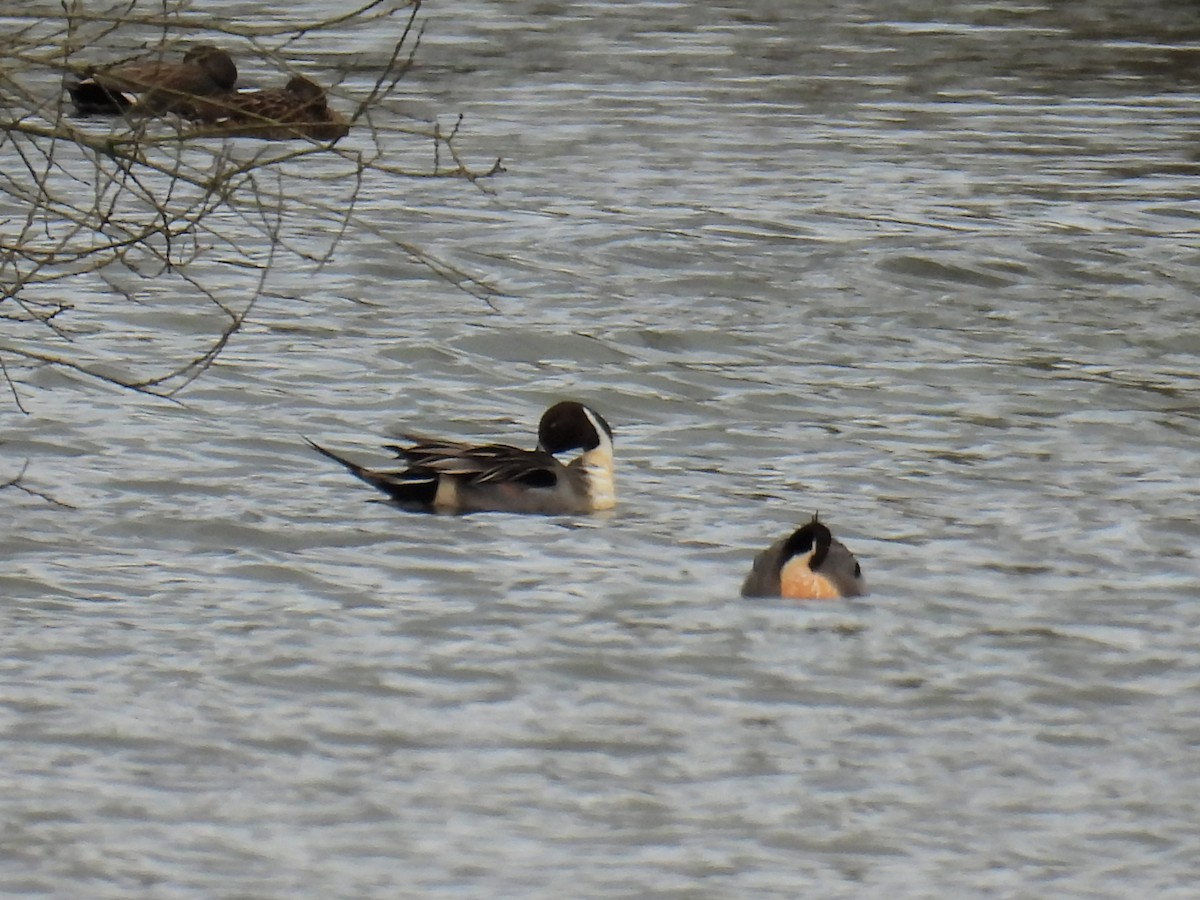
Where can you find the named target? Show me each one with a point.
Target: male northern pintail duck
(155, 86)
(808, 564)
(299, 109)
(449, 476)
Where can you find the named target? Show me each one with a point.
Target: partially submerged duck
(451, 476)
(808, 564)
(155, 86)
(298, 109)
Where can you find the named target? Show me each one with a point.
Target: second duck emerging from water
(456, 477)
(298, 109)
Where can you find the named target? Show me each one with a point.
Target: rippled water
(930, 269)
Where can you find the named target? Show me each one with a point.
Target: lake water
(929, 268)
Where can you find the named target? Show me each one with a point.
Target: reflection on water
(928, 269)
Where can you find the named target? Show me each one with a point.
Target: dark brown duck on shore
(155, 86)
(299, 109)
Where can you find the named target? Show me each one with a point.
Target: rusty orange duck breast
(453, 476)
(808, 564)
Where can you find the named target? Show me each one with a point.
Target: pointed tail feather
(414, 488)
(361, 471)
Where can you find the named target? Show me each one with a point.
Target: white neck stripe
(604, 442)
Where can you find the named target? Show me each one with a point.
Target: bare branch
(19, 484)
(99, 218)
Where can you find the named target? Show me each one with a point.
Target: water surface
(929, 269)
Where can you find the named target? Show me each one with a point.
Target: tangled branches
(135, 210)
